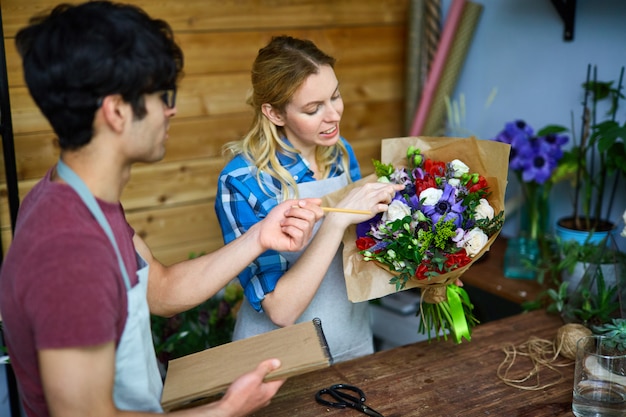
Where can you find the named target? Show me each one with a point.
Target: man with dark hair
(78, 285)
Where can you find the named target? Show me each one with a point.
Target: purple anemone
(447, 207)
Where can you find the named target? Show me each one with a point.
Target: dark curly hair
(78, 54)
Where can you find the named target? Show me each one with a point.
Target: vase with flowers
(533, 159)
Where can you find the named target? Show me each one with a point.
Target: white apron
(138, 383)
(346, 325)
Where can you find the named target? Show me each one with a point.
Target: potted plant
(615, 330)
(596, 164)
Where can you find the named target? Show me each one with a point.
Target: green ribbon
(458, 322)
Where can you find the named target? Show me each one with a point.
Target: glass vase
(525, 252)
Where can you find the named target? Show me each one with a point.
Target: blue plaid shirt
(241, 202)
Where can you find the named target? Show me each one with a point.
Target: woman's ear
(272, 114)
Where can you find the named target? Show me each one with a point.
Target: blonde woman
(294, 149)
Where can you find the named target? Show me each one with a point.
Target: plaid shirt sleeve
(241, 202)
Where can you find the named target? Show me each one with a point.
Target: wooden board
(301, 348)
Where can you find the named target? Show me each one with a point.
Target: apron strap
(74, 181)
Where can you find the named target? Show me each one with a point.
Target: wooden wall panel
(224, 93)
(171, 202)
(219, 52)
(238, 15)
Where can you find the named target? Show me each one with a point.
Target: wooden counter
(439, 378)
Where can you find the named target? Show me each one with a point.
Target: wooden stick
(340, 210)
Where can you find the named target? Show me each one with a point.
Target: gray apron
(346, 325)
(138, 383)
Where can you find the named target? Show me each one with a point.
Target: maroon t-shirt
(60, 283)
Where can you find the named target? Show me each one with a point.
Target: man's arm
(179, 287)
(78, 382)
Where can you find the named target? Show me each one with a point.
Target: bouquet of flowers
(447, 216)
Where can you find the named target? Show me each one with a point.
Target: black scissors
(341, 398)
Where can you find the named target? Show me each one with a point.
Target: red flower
(480, 185)
(422, 184)
(422, 270)
(365, 242)
(457, 260)
(435, 168)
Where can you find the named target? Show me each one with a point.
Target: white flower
(484, 210)
(455, 182)
(397, 210)
(399, 265)
(624, 231)
(458, 168)
(474, 241)
(431, 196)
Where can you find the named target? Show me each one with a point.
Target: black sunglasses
(167, 96)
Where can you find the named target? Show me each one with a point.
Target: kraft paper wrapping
(366, 280)
(435, 120)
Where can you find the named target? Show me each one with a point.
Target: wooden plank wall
(171, 203)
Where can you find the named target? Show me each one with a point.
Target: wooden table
(439, 378)
(488, 275)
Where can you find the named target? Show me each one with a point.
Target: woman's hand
(373, 197)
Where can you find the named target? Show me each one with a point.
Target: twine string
(542, 354)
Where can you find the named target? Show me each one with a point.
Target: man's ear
(115, 112)
(272, 114)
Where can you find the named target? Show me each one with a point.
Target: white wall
(518, 49)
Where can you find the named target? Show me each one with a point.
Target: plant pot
(593, 269)
(610, 273)
(566, 230)
(566, 233)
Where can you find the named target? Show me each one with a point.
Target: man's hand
(248, 393)
(289, 225)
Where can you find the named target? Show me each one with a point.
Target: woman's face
(312, 116)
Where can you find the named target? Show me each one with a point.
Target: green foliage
(491, 226)
(594, 302)
(4, 358)
(597, 162)
(382, 170)
(209, 324)
(558, 297)
(615, 330)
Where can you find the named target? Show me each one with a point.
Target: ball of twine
(567, 336)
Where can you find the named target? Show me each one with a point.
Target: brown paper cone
(367, 280)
